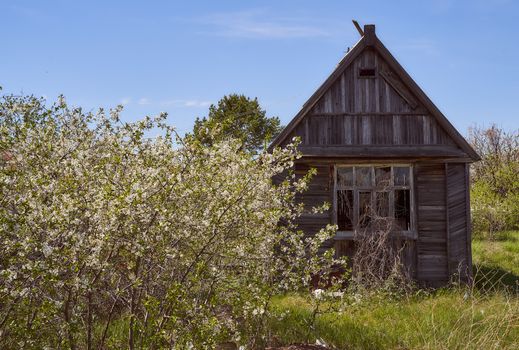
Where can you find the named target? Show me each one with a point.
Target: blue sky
(181, 56)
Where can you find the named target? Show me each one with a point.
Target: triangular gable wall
(353, 116)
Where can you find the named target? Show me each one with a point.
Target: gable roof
(369, 39)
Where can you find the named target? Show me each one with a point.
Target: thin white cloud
(186, 103)
(126, 101)
(143, 101)
(197, 103)
(261, 25)
(423, 46)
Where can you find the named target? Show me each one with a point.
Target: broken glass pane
(401, 176)
(344, 177)
(403, 209)
(345, 210)
(382, 176)
(363, 176)
(382, 204)
(364, 208)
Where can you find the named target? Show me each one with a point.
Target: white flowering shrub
(111, 239)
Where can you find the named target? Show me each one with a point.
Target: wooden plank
(469, 223)
(447, 226)
(343, 94)
(307, 132)
(382, 160)
(377, 86)
(399, 87)
(322, 114)
(458, 221)
(389, 151)
(366, 130)
(432, 264)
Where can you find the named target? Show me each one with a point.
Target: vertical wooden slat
(469, 223)
(377, 93)
(432, 267)
(426, 129)
(366, 130)
(307, 132)
(449, 267)
(416, 217)
(343, 94)
(458, 224)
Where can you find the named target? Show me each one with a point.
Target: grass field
(484, 317)
(498, 259)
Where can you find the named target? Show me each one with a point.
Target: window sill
(350, 235)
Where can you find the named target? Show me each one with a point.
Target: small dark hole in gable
(367, 72)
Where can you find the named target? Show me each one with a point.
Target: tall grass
(483, 316)
(498, 259)
(445, 319)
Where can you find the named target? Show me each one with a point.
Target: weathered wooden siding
(458, 221)
(430, 194)
(369, 111)
(319, 192)
(385, 117)
(351, 94)
(442, 247)
(342, 129)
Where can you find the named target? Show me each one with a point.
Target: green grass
(498, 259)
(485, 317)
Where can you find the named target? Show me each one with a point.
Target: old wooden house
(376, 138)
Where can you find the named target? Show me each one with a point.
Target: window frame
(409, 234)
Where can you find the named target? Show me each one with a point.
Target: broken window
(403, 209)
(383, 176)
(345, 176)
(345, 210)
(363, 176)
(365, 208)
(382, 204)
(401, 176)
(367, 192)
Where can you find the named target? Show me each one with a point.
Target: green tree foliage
(495, 179)
(110, 239)
(238, 117)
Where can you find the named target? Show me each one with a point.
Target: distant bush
(495, 180)
(110, 238)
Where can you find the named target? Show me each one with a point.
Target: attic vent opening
(367, 72)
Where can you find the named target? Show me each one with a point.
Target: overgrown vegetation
(114, 240)
(110, 239)
(495, 180)
(485, 316)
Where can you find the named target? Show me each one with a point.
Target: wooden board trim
(469, 223)
(417, 218)
(395, 84)
(447, 233)
(363, 160)
(381, 151)
(388, 114)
